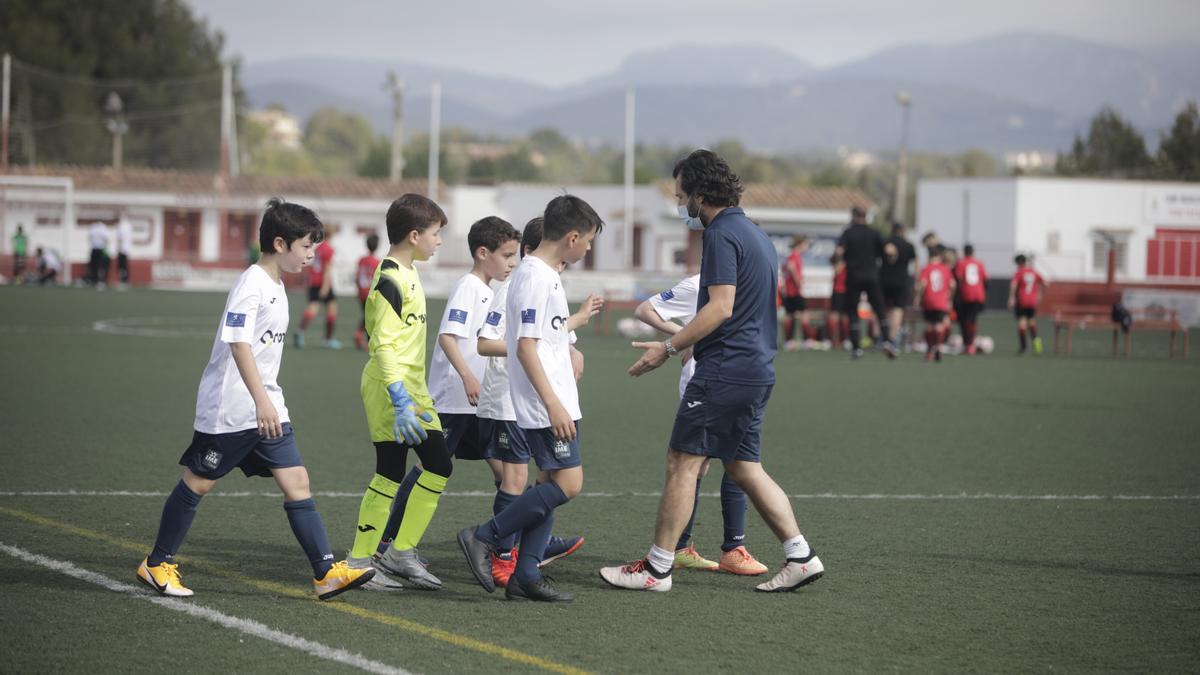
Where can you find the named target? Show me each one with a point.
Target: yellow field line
(292, 592)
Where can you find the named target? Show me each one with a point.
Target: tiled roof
(780, 196)
(195, 182)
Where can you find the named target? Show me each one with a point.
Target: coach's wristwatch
(671, 351)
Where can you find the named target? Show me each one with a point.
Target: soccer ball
(985, 344)
(631, 327)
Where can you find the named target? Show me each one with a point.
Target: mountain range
(1017, 91)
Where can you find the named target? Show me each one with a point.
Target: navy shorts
(551, 453)
(934, 315)
(212, 456)
(1025, 312)
(722, 420)
(794, 303)
(505, 441)
(314, 295)
(463, 436)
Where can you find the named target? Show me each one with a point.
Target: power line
(38, 71)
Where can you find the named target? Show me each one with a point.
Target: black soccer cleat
(542, 590)
(479, 557)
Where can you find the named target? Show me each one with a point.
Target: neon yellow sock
(373, 515)
(421, 504)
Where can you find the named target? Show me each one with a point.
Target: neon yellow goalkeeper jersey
(395, 322)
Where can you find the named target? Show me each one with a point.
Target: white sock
(796, 548)
(661, 560)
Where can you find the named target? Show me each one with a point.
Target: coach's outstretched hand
(655, 356)
(406, 427)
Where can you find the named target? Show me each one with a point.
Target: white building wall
(978, 212)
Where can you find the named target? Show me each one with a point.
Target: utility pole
(116, 126)
(900, 203)
(4, 105)
(630, 99)
(395, 86)
(435, 138)
(229, 149)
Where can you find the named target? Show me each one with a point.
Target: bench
(1086, 317)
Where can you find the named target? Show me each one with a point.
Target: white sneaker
(382, 581)
(635, 576)
(793, 575)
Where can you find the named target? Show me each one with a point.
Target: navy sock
(398, 503)
(310, 532)
(534, 539)
(686, 536)
(177, 515)
(525, 511)
(733, 512)
(502, 501)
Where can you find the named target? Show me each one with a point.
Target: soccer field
(983, 514)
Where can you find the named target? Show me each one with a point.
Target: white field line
(153, 326)
(246, 626)
(985, 496)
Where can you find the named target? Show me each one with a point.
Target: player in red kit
(320, 292)
(935, 287)
(970, 277)
(1023, 295)
(364, 272)
(794, 307)
(837, 324)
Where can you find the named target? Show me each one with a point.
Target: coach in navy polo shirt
(721, 412)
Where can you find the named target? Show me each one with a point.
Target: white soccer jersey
(463, 317)
(256, 313)
(680, 303)
(124, 236)
(538, 307)
(495, 403)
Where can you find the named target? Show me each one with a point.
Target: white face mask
(692, 222)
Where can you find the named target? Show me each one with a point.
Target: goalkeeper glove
(406, 427)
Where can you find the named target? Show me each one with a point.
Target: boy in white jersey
(503, 439)
(660, 311)
(457, 367)
(545, 399)
(241, 419)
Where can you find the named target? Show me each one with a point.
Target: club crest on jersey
(529, 316)
(235, 320)
(211, 459)
(458, 315)
(493, 319)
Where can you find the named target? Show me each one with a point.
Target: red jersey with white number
(972, 280)
(1027, 281)
(793, 275)
(839, 281)
(364, 272)
(320, 264)
(936, 279)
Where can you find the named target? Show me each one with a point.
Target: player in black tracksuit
(862, 249)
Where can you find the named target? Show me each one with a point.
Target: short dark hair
(491, 232)
(968, 249)
(857, 211)
(1020, 259)
(927, 236)
(531, 237)
(372, 242)
(568, 213)
(289, 221)
(412, 212)
(704, 174)
(897, 227)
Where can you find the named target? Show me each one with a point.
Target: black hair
(1020, 259)
(968, 249)
(927, 236)
(290, 222)
(491, 233)
(897, 227)
(857, 212)
(412, 212)
(372, 242)
(568, 213)
(704, 174)
(531, 238)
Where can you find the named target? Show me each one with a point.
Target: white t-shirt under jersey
(494, 400)
(256, 313)
(537, 306)
(462, 318)
(680, 303)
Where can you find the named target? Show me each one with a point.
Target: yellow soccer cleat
(1037, 345)
(689, 559)
(164, 579)
(739, 561)
(341, 578)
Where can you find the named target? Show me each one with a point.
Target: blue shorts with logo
(551, 453)
(722, 420)
(505, 441)
(212, 456)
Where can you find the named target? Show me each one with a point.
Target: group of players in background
(947, 288)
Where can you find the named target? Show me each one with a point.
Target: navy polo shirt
(742, 349)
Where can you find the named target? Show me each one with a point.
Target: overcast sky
(563, 41)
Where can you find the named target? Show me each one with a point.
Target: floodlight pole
(395, 86)
(630, 107)
(116, 126)
(435, 138)
(900, 203)
(5, 101)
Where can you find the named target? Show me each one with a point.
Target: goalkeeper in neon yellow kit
(396, 508)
